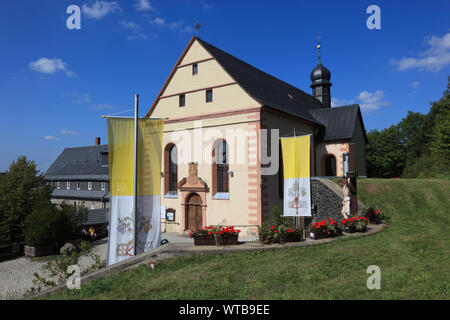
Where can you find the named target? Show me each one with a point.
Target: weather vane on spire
(197, 27)
(318, 45)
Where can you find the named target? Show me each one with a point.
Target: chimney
(97, 141)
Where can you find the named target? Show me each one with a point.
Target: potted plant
(324, 229)
(215, 235)
(355, 224)
(375, 216)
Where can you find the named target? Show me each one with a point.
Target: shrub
(374, 215)
(215, 232)
(49, 225)
(276, 229)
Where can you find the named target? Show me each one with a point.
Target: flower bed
(279, 234)
(324, 229)
(355, 224)
(375, 216)
(215, 235)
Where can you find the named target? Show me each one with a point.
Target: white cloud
(175, 25)
(436, 57)
(144, 5)
(69, 132)
(367, 101)
(50, 66)
(100, 9)
(135, 30)
(50, 138)
(415, 84)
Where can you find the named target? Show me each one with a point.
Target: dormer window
(209, 95)
(182, 100)
(58, 185)
(90, 185)
(105, 160)
(67, 185)
(194, 69)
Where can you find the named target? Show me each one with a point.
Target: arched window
(330, 166)
(170, 170)
(220, 170)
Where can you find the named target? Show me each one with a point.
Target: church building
(231, 108)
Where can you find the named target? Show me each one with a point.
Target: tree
(386, 155)
(21, 189)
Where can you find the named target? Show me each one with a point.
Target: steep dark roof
(265, 88)
(339, 122)
(79, 163)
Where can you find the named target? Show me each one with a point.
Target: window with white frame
(90, 185)
(103, 185)
(58, 185)
(78, 185)
(68, 185)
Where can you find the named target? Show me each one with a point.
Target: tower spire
(318, 47)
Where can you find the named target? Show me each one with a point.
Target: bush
(276, 229)
(49, 225)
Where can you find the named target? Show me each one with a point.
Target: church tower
(320, 78)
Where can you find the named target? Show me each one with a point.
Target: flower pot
(231, 241)
(40, 251)
(205, 241)
(319, 235)
(351, 229)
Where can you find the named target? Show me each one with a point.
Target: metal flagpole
(136, 126)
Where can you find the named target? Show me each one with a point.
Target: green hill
(412, 253)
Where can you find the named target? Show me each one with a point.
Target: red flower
(275, 231)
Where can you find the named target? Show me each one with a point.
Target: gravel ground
(16, 276)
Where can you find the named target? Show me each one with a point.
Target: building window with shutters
(220, 169)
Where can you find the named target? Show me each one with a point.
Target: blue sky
(55, 82)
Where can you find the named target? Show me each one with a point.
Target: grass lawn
(412, 253)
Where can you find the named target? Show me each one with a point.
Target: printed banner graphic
(296, 171)
(121, 241)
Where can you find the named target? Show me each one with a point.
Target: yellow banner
(296, 157)
(121, 156)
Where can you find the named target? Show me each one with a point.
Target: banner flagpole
(136, 126)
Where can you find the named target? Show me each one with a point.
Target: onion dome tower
(320, 78)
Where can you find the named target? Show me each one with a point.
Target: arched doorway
(194, 212)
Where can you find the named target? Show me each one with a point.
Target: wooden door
(194, 212)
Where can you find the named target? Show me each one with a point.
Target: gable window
(58, 185)
(194, 69)
(209, 95)
(220, 171)
(103, 185)
(78, 185)
(330, 166)
(182, 100)
(90, 185)
(68, 185)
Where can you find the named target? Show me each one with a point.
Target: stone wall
(325, 202)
